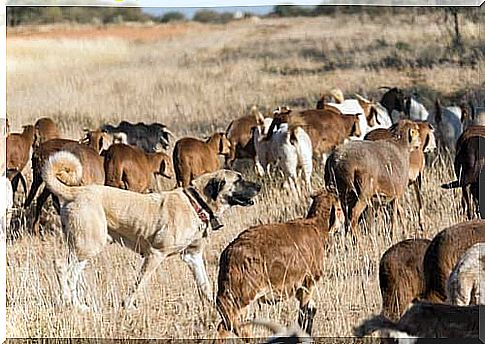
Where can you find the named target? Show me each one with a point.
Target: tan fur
(45, 130)
(361, 170)
(443, 254)
(130, 168)
(97, 139)
(156, 225)
(18, 148)
(275, 261)
(193, 157)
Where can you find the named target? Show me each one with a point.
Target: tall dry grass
(196, 83)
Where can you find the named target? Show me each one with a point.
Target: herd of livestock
(367, 151)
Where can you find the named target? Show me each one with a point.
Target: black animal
(393, 99)
(149, 137)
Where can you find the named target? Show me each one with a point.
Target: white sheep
(466, 283)
(288, 148)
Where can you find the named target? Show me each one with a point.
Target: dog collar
(203, 215)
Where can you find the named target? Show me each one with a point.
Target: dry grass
(196, 83)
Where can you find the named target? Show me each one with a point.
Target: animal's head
(326, 205)
(257, 115)
(465, 113)
(355, 131)
(393, 99)
(370, 110)
(163, 138)
(225, 188)
(97, 139)
(407, 131)
(223, 143)
(427, 137)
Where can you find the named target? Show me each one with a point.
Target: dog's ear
(214, 187)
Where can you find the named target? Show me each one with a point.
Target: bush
(292, 11)
(172, 16)
(206, 16)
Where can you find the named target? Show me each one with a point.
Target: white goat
(289, 147)
(450, 122)
(466, 284)
(416, 111)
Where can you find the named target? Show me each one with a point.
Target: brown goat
(18, 153)
(469, 163)
(130, 168)
(401, 276)
(193, 157)
(443, 253)
(360, 170)
(97, 139)
(327, 129)
(93, 171)
(416, 158)
(276, 261)
(239, 135)
(426, 320)
(45, 130)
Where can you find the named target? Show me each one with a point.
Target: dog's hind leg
(152, 260)
(69, 280)
(193, 256)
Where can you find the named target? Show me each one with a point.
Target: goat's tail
(61, 172)
(451, 185)
(373, 324)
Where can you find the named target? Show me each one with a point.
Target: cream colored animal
(466, 284)
(156, 225)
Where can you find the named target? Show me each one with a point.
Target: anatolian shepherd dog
(156, 225)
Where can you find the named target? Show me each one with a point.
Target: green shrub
(172, 16)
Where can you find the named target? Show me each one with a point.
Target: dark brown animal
(276, 261)
(193, 157)
(239, 135)
(361, 170)
(401, 276)
(130, 168)
(426, 320)
(45, 130)
(469, 164)
(18, 153)
(443, 253)
(93, 171)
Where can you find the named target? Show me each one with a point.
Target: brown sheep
(276, 261)
(401, 276)
(239, 135)
(361, 170)
(18, 153)
(93, 171)
(45, 130)
(130, 168)
(443, 253)
(98, 139)
(469, 163)
(193, 157)
(416, 158)
(426, 320)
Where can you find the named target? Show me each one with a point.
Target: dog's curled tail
(62, 171)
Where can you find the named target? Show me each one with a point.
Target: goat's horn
(86, 129)
(384, 88)
(359, 97)
(169, 132)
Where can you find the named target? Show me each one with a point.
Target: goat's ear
(214, 187)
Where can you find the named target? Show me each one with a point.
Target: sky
(190, 11)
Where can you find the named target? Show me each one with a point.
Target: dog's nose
(257, 186)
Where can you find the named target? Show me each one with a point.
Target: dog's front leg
(193, 256)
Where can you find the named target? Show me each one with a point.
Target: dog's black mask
(243, 192)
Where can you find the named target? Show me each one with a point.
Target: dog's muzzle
(243, 193)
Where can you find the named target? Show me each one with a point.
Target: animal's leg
(36, 183)
(38, 209)
(466, 198)
(307, 306)
(231, 324)
(355, 213)
(396, 212)
(69, 281)
(417, 188)
(150, 264)
(193, 256)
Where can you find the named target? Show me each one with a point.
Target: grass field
(196, 78)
